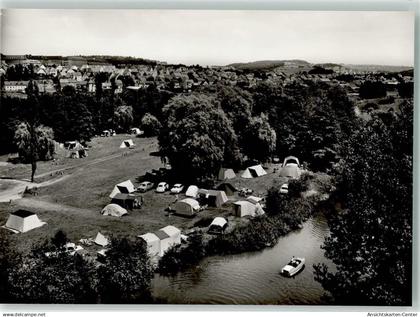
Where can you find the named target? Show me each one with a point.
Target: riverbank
(253, 278)
(285, 213)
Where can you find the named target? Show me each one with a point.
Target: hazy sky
(214, 37)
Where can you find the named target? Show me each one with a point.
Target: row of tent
(161, 240)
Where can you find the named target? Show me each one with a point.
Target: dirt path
(15, 188)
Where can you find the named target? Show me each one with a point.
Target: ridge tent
(254, 171)
(152, 242)
(114, 210)
(214, 198)
(218, 225)
(169, 236)
(125, 187)
(23, 221)
(187, 207)
(228, 188)
(127, 144)
(192, 191)
(127, 201)
(101, 240)
(226, 173)
(244, 208)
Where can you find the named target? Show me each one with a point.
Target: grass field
(74, 204)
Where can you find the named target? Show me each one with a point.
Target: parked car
(177, 188)
(145, 186)
(284, 189)
(162, 187)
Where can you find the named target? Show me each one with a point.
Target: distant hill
(377, 68)
(270, 64)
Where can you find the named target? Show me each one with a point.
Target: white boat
(293, 267)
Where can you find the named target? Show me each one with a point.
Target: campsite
(74, 204)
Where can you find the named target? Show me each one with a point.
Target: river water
(253, 277)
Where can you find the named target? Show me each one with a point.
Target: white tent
(101, 240)
(168, 236)
(136, 131)
(218, 224)
(290, 167)
(187, 207)
(114, 210)
(23, 221)
(214, 198)
(254, 171)
(244, 208)
(127, 144)
(152, 242)
(226, 173)
(125, 187)
(192, 191)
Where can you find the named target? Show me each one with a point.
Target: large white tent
(169, 236)
(187, 207)
(125, 187)
(244, 208)
(114, 210)
(152, 242)
(23, 221)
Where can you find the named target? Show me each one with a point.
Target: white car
(284, 189)
(145, 186)
(293, 267)
(177, 188)
(162, 187)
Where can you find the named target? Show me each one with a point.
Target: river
(253, 277)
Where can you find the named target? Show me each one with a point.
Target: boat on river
(293, 267)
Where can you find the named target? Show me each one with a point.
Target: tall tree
(126, 275)
(371, 238)
(197, 137)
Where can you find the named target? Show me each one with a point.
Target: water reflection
(254, 277)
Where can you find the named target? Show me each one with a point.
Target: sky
(214, 37)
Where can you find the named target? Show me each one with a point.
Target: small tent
(244, 208)
(101, 240)
(290, 167)
(127, 144)
(228, 188)
(152, 242)
(254, 171)
(127, 201)
(213, 198)
(125, 187)
(23, 221)
(187, 207)
(226, 173)
(192, 191)
(168, 236)
(114, 210)
(218, 225)
(136, 131)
